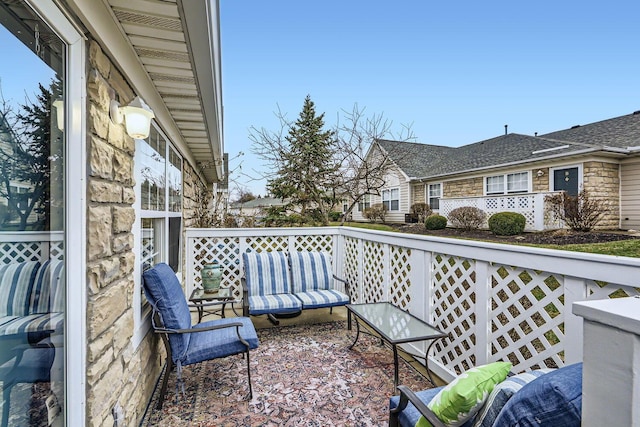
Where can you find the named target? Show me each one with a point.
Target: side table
(203, 300)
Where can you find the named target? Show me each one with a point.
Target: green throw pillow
(463, 397)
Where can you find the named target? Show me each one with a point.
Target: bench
(32, 298)
(283, 284)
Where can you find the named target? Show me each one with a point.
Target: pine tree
(307, 169)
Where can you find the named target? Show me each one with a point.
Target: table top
(199, 294)
(395, 325)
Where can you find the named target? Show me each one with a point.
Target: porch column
(611, 370)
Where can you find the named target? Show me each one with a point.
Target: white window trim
(390, 191)
(428, 192)
(142, 318)
(75, 206)
(504, 184)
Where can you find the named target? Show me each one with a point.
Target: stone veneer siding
(463, 188)
(117, 373)
(540, 184)
(417, 194)
(602, 182)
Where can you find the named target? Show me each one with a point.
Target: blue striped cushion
(44, 322)
(322, 298)
(502, 393)
(275, 303)
(48, 290)
(266, 273)
(310, 271)
(16, 284)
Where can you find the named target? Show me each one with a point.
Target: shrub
(507, 223)
(420, 211)
(375, 212)
(435, 222)
(335, 216)
(467, 217)
(580, 213)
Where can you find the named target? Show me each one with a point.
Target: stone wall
(602, 182)
(540, 184)
(417, 194)
(118, 374)
(463, 188)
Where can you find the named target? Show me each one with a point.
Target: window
(364, 203)
(391, 199)
(435, 193)
(513, 183)
(160, 177)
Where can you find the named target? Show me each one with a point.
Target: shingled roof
(428, 161)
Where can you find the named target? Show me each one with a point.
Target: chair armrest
(406, 396)
(192, 330)
(346, 284)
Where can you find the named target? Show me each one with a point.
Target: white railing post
(360, 271)
(483, 312)
(539, 212)
(386, 262)
(610, 375)
(574, 290)
(418, 305)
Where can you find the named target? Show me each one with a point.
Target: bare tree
(365, 165)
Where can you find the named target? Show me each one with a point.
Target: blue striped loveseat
(280, 283)
(32, 298)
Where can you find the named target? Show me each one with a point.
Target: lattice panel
(400, 282)
(351, 267)
(20, 252)
(267, 243)
(314, 243)
(602, 290)
(373, 274)
(56, 250)
(527, 312)
(453, 308)
(225, 250)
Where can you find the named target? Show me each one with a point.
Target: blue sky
(456, 71)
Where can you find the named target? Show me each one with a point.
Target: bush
(507, 223)
(335, 216)
(375, 212)
(435, 222)
(467, 217)
(420, 211)
(580, 213)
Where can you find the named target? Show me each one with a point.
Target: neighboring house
(126, 198)
(255, 208)
(515, 172)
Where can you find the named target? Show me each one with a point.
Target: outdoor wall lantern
(137, 116)
(540, 172)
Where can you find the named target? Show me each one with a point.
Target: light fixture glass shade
(58, 104)
(137, 116)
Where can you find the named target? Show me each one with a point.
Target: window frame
(503, 181)
(431, 196)
(388, 199)
(364, 203)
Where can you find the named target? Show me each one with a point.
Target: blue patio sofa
(280, 283)
(545, 398)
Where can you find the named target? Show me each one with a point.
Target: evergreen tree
(307, 170)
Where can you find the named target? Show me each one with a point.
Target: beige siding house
(515, 172)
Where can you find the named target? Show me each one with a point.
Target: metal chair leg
(165, 381)
(249, 376)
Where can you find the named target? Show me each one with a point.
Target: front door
(566, 180)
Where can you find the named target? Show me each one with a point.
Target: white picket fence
(495, 301)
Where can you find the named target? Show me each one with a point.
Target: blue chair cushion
(16, 288)
(220, 342)
(266, 273)
(274, 303)
(322, 298)
(310, 271)
(410, 415)
(164, 293)
(553, 400)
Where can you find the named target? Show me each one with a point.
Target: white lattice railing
(531, 206)
(495, 301)
(20, 246)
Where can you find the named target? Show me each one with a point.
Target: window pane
(32, 217)
(175, 231)
(518, 182)
(435, 192)
(151, 242)
(152, 159)
(174, 174)
(495, 184)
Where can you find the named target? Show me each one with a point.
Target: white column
(611, 374)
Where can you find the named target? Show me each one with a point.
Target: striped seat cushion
(322, 298)
(32, 323)
(266, 273)
(310, 271)
(16, 288)
(274, 303)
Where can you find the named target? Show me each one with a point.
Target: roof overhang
(169, 52)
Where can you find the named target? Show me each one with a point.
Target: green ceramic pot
(211, 275)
